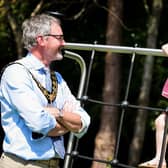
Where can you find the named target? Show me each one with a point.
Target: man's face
(54, 43)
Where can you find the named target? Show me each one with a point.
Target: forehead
(56, 28)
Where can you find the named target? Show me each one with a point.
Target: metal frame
(82, 64)
(114, 49)
(105, 48)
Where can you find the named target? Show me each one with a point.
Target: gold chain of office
(50, 96)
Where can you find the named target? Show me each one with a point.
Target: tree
(9, 9)
(144, 96)
(106, 138)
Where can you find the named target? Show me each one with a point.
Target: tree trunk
(106, 138)
(15, 27)
(138, 138)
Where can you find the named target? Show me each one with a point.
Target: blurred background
(132, 23)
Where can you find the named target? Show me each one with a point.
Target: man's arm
(58, 130)
(67, 118)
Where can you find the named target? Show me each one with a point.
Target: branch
(112, 13)
(14, 27)
(80, 13)
(37, 8)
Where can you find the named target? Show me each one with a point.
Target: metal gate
(71, 150)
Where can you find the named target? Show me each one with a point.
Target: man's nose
(63, 42)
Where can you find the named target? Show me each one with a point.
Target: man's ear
(40, 40)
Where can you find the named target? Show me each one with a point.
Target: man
(37, 107)
(160, 125)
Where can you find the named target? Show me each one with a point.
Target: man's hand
(53, 111)
(69, 119)
(59, 129)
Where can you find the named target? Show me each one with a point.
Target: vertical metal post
(124, 104)
(82, 64)
(164, 142)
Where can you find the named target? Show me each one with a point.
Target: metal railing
(114, 49)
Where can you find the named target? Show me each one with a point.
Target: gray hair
(38, 25)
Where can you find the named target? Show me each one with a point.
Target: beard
(59, 56)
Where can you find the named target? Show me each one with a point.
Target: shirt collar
(33, 62)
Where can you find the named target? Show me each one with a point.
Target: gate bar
(81, 62)
(114, 49)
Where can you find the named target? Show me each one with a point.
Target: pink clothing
(165, 89)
